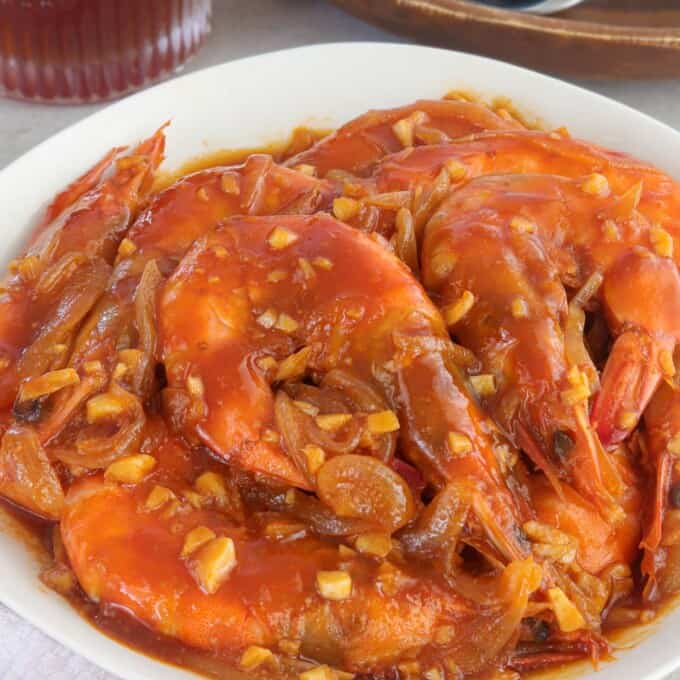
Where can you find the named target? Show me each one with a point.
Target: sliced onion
(366, 399)
(300, 429)
(429, 200)
(363, 396)
(406, 247)
(26, 475)
(290, 423)
(64, 407)
(327, 400)
(365, 488)
(439, 526)
(145, 319)
(411, 474)
(576, 351)
(78, 291)
(99, 451)
(293, 503)
(106, 322)
(497, 624)
(323, 521)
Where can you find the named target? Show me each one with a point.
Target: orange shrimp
(357, 145)
(599, 543)
(422, 169)
(87, 181)
(185, 211)
(269, 300)
(195, 575)
(89, 218)
(154, 244)
(484, 256)
(578, 234)
(48, 293)
(641, 296)
(528, 152)
(661, 558)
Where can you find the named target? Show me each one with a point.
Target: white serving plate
(258, 100)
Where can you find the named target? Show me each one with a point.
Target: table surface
(239, 29)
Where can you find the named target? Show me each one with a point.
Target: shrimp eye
(27, 411)
(563, 443)
(674, 496)
(161, 376)
(540, 630)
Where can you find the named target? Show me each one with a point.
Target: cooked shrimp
(259, 435)
(89, 219)
(87, 181)
(356, 146)
(475, 250)
(195, 575)
(190, 208)
(598, 543)
(49, 292)
(270, 300)
(641, 296)
(661, 561)
(526, 152)
(154, 244)
(507, 220)
(423, 171)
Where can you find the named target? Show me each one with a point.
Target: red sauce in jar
(89, 50)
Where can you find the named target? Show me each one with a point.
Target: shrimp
(641, 296)
(661, 560)
(87, 181)
(639, 293)
(426, 173)
(359, 144)
(187, 210)
(48, 293)
(527, 152)
(598, 544)
(273, 300)
(195, 575)
(484, 257)
(154, 244)
(90, 217)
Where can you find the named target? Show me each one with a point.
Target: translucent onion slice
(363, 487)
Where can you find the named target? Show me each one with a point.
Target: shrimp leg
(359, 144)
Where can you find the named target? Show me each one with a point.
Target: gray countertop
(240, 28)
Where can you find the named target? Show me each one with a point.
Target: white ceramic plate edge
(256, 100)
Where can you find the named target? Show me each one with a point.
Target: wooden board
(598, 39)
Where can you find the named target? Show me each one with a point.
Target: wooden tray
(598, 39)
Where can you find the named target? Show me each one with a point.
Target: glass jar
(76, 51)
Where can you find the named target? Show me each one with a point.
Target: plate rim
(52, 630)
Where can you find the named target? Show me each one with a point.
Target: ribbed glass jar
(73, 51)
